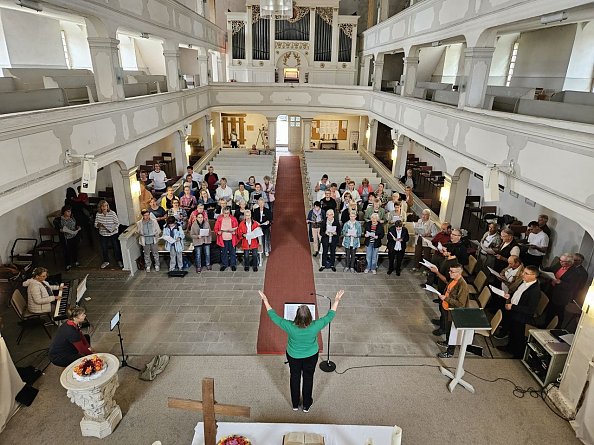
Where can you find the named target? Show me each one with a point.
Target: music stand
(115, 321)
(466, 320)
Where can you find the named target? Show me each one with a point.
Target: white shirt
(226, 193)
(158, 179)
(518, 293)
(540, 239)
(510, 274)
(354, 194)
(197, 177)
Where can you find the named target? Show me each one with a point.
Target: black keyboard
(67, 298)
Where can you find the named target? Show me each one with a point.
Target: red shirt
(442, 238)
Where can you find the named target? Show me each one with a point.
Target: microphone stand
(327, 365)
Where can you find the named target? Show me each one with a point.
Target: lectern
(466, 320)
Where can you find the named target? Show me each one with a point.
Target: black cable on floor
(518, 390)
(46, 350)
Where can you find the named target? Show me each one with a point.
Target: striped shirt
(107, 224)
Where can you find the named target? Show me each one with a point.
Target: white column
(312, 33)
(179, 152)
(365, 68)
(108, 73)
(477, 64)
(207, 138)
(217, 138)
(172, 65)
(372, 136)
(400, 155)
(272, 38)
(203, 63)
(378, 72)
(362, 144)
(575, 372)
(221, 67)
(306, 137)
(126, 191)
(271, 132)
(411, 65)
(335, 29)
(248, 38)
(453, 198)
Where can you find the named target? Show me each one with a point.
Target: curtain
(323, 39)
(261, 39)
(293, 30)
(238, 41)
(344, 46)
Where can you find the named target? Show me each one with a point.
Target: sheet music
(427, 264)
(427, 243)
(396, 218)
(549, 275)
(331, 229)
(370, 234)
(291, 310)
(440, 246)
(254, 234)
(432, 289)
(168, 239)
(81, 288)
(352, 232)
(494, 272)
(496, 291)
(204, 232)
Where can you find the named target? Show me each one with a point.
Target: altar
(272, 433)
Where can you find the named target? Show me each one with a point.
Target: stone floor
(217, 313)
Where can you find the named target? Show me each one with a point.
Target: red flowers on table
(89, 366)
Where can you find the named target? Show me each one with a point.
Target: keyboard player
(40, 294)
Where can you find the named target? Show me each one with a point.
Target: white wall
(78, 46)
(32, 41)
(188, 59)
(453, 64)
(543, 57)
(581, 64)
(429, 59)
(127, 53)
(149, 56)
(4, 58)
(162, 145)
(501, 57)
(353, 125)
(567, 235)
(25, 221)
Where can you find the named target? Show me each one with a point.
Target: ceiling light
(280, 9)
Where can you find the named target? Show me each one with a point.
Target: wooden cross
(209, 408)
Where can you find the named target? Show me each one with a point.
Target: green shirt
(303, 342)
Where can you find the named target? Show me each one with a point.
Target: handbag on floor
(361, 264)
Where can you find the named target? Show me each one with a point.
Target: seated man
(375, 207)
(197, 177)
(323, 184)
(508, 247)
(328, 203)
(343, 186)
(491, 240)
(69, 343)
(254, 150)
(224, 192)
(519, 310)
(353, 192)
(511, 276)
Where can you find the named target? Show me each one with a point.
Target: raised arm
(265, 300)
(337, 298)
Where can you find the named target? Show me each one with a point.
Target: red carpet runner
(289, 274)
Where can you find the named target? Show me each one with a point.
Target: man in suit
(519, 309)
(397, 240)
(582, 277)
(563, 288)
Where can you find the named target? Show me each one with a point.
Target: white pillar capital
(108, 73)
(473, 88)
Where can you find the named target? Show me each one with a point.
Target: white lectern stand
(466, 320)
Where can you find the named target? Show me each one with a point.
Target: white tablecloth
(272, 433)
(10, 385)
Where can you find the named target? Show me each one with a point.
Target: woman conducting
(69, 343)
(302, 346)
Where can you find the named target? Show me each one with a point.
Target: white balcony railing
(554, 159)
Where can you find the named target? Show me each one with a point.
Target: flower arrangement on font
(89, 366)
(234, 440)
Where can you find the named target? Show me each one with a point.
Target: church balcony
(553, 159)
(438, 20)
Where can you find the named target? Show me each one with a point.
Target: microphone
(326, 365)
